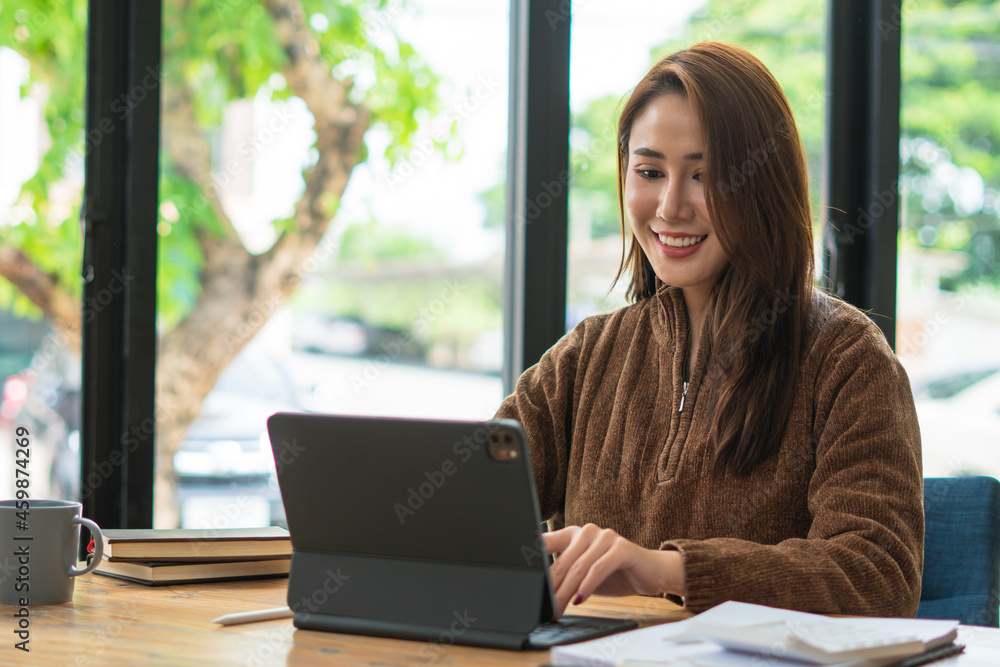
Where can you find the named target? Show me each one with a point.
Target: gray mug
(38, 550)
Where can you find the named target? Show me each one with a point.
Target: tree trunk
(240, 291)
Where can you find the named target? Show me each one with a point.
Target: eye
(700, 177)
(648, 174)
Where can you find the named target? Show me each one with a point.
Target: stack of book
(155, 557)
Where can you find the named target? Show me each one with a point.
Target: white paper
(677, 643)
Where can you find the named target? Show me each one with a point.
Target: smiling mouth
(681, 241)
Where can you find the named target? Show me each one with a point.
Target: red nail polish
(578, 599)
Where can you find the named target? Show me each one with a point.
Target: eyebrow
(649, 152)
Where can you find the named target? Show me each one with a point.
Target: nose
(674, 204)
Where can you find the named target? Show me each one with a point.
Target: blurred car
(45, 398)
(322, 334)
(959, 418)
(329, 335)
(225, 469)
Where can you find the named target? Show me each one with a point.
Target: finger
(617, 557)
(567, 544)
(585, 551)
(570, 543)
(557, 540)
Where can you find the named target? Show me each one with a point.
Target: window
(949, 278)
(329, 240)
(788, 39)
(41, 180)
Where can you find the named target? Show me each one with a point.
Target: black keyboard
(570, 629)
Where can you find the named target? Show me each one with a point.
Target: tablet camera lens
(503, 448)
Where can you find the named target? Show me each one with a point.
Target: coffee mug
(39, 542)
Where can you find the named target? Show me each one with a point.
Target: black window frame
(119, 261)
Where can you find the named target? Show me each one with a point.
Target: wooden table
(115, 622)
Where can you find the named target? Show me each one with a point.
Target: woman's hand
(595, 560)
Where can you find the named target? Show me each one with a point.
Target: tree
(949, 168)
(593, 162)
(949, 176)
(340, 57)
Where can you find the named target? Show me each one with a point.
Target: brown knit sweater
(832, 523)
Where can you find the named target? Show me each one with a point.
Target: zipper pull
(683, 396)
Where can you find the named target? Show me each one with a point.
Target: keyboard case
(411, 529)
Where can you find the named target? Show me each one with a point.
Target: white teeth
(681, 242)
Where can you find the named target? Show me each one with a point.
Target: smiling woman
(734, 434)
(716, 110)
(665, 198)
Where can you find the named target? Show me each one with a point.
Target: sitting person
(735, 433)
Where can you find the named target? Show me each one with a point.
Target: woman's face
(665, 196)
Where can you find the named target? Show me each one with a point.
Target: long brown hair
(757, 195)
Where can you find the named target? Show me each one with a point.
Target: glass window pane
(949, 276)
(329, 230)
(787, 37)
(42, 74)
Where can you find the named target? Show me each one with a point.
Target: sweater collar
(670, 322)
(670, 329)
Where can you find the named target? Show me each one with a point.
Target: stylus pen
(931, 656)
(254, 616)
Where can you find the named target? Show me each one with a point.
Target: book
(736, 634)
(818, 639)
(196, 545)
(158, 574)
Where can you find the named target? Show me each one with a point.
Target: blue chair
(962, 550)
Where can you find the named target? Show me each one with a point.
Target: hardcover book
(156, 574)
(196, 545)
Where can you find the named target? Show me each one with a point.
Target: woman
(735, 433)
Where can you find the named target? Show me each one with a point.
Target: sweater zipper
(683, 396)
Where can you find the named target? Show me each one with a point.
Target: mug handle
(98, 547)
